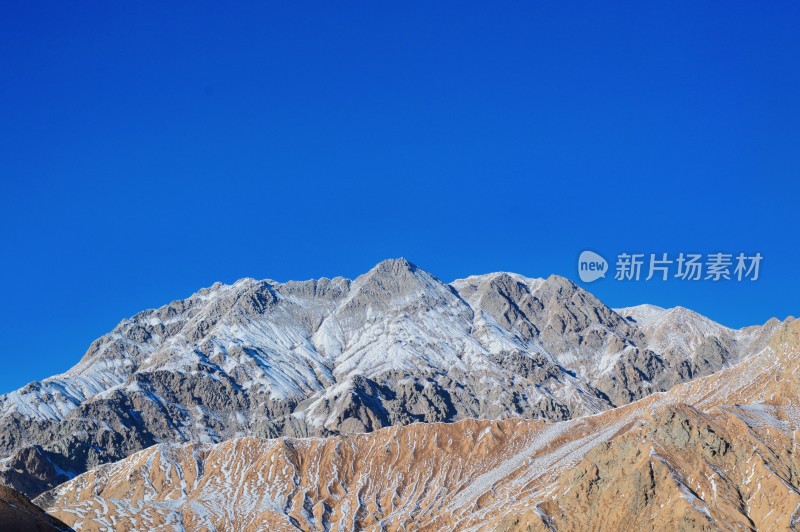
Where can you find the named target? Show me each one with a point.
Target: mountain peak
(392, 278)
(560, 281)
(395, 266)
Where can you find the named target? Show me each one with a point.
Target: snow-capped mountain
(392, 347)
(718, 452)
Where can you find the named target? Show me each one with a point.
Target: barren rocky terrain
(718, 452)
(398, 402)
(393, 347)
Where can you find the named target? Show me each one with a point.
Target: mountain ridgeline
(333, 357)
(714, 453)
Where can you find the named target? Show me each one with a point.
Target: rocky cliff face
(716, 452)
(726, 461)
(333, 356)
(18, 513)
(685, 469)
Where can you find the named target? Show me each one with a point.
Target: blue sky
(150, 150)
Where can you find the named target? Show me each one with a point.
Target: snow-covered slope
(714, 453)
(694, 343)
(392, 347)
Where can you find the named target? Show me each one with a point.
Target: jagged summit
(395, 266)
(392, 280)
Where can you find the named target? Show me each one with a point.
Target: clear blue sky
(151, 149)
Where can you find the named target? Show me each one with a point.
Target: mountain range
(323, 399)
(719, 452)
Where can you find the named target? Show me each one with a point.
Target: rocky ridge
(18, 513)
